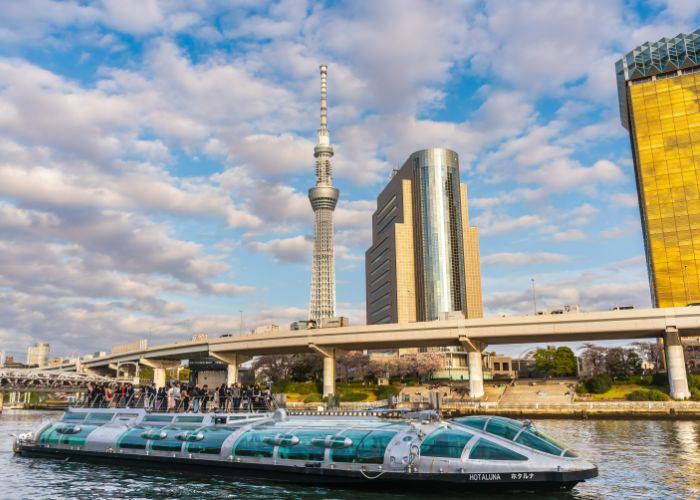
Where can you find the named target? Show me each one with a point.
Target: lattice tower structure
(323, 197)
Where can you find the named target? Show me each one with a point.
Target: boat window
(214, 437)
(134, 438)
(477, 422)
(305, 449)
(100, 417)
(532, 438)
(504, 428)
(252, 444)
(158, 418)
(72, 417)
(189, 419)
(171, 442)
(445, 443)
(367, 447)
(59, 433)
(486, 450)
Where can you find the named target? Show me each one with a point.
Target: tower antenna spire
(324, 107)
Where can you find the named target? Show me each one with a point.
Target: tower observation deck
(323, 197)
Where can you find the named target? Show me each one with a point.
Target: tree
(559, 362)
(544, 362)
(621, 362)
(352, 365)
(274, 368)
(308, 366)
(420, 365)
(593, 359)
(652, 352)
(615, 362)
(565, 362)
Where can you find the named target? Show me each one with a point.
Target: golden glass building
(659, 91)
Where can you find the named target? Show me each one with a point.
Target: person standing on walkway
(171, 398)
(205, 397)
(185, 395)
(221, 391)
(236, 396)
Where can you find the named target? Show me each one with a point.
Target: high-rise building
(659, 89)
(38, 354)
(323, 197)
(424, 258)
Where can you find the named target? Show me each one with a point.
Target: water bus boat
(417, 450)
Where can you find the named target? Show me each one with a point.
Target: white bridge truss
(34, 380)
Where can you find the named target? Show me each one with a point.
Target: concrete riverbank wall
(611, 409)
(666, 410)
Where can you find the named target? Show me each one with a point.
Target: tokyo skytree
(323, 197)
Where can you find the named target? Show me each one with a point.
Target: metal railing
(161, 403)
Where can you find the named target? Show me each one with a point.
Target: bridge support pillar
(232, 360)
(675, 364)
(329, 355)
(159, 377)
(476, 372)
(476, 375)
(232, 374)
(159, 369)
(329, 374)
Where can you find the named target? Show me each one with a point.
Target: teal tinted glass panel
(251, 444)
(189, 419)
(171, 442)
(532, 438)
(158, 418)
(304, 450)
(214, 437)
(53, 435)
(133, 439)
(476, 422)
(505, 428)
(367, 449)
(349, 454)
(72, 417)
(570, 454)
(100, 417)
(486, 450)
(445, 443)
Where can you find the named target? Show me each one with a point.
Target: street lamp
(534, 297)
(240, 311)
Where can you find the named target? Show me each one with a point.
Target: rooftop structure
(650, 59)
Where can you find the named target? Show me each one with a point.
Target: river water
(636, 458)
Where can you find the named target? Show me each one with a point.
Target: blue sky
(155, 156)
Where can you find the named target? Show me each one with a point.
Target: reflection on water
(637, 459)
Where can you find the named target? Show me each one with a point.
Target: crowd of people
(181, 397)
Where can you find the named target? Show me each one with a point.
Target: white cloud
(625, 200)
(491, 224)
(137, 17)
(524, 259)
(296, 249)
(569, 235)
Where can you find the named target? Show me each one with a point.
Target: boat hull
(313, 474)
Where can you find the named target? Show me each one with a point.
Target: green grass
(620, 391)
(355, 391)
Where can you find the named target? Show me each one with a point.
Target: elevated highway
(472, 334)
